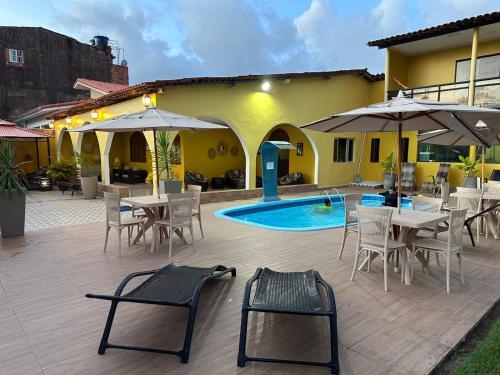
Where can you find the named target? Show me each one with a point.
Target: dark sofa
(195, 178)
(235, 179)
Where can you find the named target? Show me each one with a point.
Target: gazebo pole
(483, 155)
(156, 166)
(48, 151)
(37, 155)
(400, 137)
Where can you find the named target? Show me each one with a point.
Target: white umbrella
(452, 138)
(150, 119)
(410, 114)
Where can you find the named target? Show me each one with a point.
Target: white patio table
(410, 221)
(490, 199)
(151, 205)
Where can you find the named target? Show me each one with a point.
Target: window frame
(469, 59)
(349, 151)
(18, 55)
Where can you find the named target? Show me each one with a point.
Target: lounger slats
(288, 291)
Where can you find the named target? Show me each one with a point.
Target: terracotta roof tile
(10, 130)
(104, 87)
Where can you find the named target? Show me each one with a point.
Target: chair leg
(469, 230)
(447, 274)
(143, 236)
(170, 239)
(355, 264)
(107, 235)
(460, 269)
(107, 328)
(201, 227)
(119, 241)
(385, 271)
(243, 339)
(344, 236)
(128, 234)
(437, 259)
(403, 265)
(334, 355)
(412, 260)
(192, 236)
(189, 335)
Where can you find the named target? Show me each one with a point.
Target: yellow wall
(90, 149)
(120, 148)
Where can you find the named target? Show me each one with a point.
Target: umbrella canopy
(150, 119)
(410, 114)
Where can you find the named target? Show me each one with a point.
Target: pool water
(302, 214)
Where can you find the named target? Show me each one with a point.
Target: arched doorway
(303, 159)
(64, 150)
(90, 152)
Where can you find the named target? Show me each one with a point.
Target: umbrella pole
(483, 155)
(400, 137)
(156, 166)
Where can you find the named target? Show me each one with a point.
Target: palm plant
(12, 177)
(389, 164)
(81, 163)
(468, 166)
(167, 154)
(61, 170)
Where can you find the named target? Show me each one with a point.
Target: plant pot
(389, 180)
(470, 182)
(12, 213)
(170, 186)
(89, 187)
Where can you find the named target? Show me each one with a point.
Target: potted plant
(13, 190)
(167, 152)
(468, 166)
(61, 170)
(88, 179)
(389, 166)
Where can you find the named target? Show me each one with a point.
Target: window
(492, 154)
(16, 56)
(138, 147)
(440, 153)
(343, 150)
(487, 67)
(404, 146)
(375, 150)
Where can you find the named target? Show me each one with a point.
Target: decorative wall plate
(88, 148)
(235, 150)
(222, 148)
(212, 153)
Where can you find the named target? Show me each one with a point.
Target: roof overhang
(82, 86)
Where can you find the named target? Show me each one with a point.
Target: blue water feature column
(269, 158)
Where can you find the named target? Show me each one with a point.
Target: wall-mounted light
(266, 85)
(51, 124)
(69, 120)
(94, 114)
(146, 100)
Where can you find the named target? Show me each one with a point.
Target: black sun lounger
(289, 293)
(173, 285)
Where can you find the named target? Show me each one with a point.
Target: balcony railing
(487, 92)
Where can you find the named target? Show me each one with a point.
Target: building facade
(39, 67)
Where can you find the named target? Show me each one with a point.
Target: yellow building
(459, 61)
(251, 113)
(454, 62)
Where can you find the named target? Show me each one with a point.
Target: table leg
(147, 224)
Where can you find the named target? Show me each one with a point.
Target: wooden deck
(48, 327)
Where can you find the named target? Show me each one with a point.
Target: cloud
(442, 11)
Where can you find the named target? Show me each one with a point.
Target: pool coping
(222, 214)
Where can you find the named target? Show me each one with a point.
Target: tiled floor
(48, 327)
(53, 209)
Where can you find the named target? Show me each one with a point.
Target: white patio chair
(493, 187)
(196, 190)
(115, 220)
(471, 199)
(139, 191)
(446, 248)
(374, 236)
(180, 216)
(351, 201)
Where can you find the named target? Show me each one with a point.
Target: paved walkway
(49, 209)
(48, 327)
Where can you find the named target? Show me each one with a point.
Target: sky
(166, 39)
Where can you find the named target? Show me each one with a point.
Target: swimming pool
(298, 215)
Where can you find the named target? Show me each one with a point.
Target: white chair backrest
(493, 182)
(196, 190)
(374, 225)
(445, 192)
(351, 201)
(455, 231)
(180, 208)
(469, 199)
(112, 206)
(421, 203)
(139, 191)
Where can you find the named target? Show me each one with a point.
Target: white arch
(105, 158)
(221, 121)
(60, 141)
(313, 145)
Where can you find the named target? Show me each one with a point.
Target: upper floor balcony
(487, 92)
